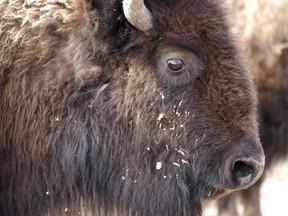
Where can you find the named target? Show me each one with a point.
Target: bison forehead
(188, 17)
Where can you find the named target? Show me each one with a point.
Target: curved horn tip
(137, 14)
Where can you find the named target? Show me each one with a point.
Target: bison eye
(175, 65)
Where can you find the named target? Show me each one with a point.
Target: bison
(122, 108)
(262, 27)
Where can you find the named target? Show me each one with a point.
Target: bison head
(143, 109)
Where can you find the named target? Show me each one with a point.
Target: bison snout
(246, 165)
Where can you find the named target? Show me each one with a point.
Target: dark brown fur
(80, 105)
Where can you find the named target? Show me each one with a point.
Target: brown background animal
(126, 114)
(262, 25)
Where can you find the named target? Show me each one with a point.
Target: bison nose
(245, 165)
(246, 171)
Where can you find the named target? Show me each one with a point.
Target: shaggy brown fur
(86, 119)
(263, 28)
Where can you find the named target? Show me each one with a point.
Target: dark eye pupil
(175, 64)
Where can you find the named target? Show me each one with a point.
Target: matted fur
(87, 122)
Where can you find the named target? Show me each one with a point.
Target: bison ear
(138, 14)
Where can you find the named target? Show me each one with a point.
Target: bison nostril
(246, 171)
(242, 170)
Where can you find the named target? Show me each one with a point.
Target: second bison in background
(263, 27)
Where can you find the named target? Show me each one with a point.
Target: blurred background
(273, 195)
(261, 26)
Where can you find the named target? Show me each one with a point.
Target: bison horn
(137, 14)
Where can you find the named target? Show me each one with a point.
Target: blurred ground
(274, 194)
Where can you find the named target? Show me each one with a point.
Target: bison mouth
(208, 189)
(207, 192)
(214, 193)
